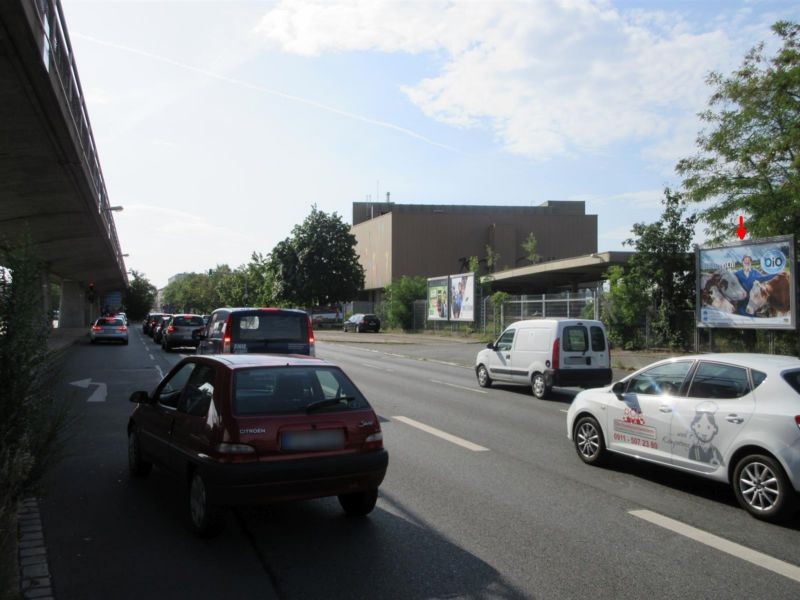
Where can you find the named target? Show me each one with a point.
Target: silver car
(734, 418)
(178, 331)
(109, 329)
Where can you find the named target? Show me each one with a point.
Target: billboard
(462, 297)
(747, 285)
(438, 302)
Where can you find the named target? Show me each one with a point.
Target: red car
(255, 429)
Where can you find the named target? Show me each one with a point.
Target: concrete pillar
(73, 307)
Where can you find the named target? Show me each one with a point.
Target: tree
(400, 296)
(664, 264)
(318, 264)
(139, 296)
(625, 306)
(749, 159)
(529, 246)
(492, 258)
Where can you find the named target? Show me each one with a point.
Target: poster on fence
(462, 297)
(438, 301)
(747, 285)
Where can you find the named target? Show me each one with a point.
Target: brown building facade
(394, 240)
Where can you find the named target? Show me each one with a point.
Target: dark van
(257, 331)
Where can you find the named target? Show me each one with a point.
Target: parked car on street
(734, 418)
(147, 322)
(362, 322)
(109, 329)
(543, 353)
(256, 429)
(179, 331)
(257, 330)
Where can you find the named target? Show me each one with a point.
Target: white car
(730, 417)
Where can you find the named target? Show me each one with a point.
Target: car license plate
(304, 441)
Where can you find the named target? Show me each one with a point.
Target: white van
(543, 353)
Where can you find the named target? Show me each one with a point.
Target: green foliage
(749, 156)
(529, 246)
(318, 264)
(664, 268)
(625, 306)
(139, 296)
(400, 296)
(474, 265)
(497, 300)
(492, 258)
(30, 423)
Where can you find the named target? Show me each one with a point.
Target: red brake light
(226, 336)
(97, 328)
(556, 352)
(797, 421)
(374, 441)
(171, 328)
(122, 328)
(310, 332)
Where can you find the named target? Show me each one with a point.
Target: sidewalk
(61, 338)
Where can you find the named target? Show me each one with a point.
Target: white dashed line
(563, 410)
(461, 387)
(379, 367)
(151, 357)
(160, 372)
(709, 539)
(442, 434)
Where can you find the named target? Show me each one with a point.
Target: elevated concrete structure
(51, 185)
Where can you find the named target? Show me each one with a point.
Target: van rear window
(598, 338)
(576, 338)
(271, 327)
(190, 321)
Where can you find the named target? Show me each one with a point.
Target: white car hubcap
(759, 486)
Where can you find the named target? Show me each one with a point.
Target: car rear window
(714, 380)
(109, 322)
(598, 338)
(290, 390)
(793, 379)
(188, 321)
(271, 326)
(575, 338)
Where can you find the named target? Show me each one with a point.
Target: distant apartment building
(394, 240)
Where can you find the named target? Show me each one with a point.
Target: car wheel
(540, 389)
(359, 504)
(137, 465)
(483, 377)
(762, 489)
(589, 443)
(205, 519)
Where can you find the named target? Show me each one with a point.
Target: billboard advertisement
(462, 297)
(438, 302)
(747, 285)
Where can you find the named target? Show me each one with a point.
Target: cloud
(638, 199)
(547, 79)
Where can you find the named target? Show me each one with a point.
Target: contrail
(265, 90)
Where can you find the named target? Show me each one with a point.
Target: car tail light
(236, 452)
(374, 441)
(226, 336)
(122, 328)
(797, 421)
(556, 352)
(97, 328)
(310, 338)
(171, 328)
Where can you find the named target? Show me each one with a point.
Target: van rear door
(270, 332)
(583, 346)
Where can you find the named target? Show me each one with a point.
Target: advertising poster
(748, 285)
(437, 299)
(462, 297)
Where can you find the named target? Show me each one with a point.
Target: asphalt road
(505, 509)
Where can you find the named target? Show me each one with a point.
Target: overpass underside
(51, 186)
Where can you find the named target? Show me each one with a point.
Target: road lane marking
(709, 539)
(461, 387)
(100, 392)
(160, 372)
(374, 366)
(442, 434)
(151, 357)
(563, 410)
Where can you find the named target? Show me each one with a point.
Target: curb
(34, 571)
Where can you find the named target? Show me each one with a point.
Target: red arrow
(741, 232)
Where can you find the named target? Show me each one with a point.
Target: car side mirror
(140, 397)
(490, 345)
(618, 388)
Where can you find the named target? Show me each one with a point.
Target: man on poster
(747, 276)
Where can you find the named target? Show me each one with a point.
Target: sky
(219, 124)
